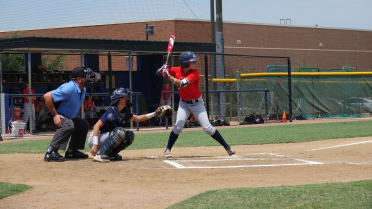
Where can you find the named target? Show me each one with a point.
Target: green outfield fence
(315, 93)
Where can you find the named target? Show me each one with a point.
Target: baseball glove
(163, 111)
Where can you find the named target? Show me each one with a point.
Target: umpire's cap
(79, 72)
(119, 93)
(187, 57)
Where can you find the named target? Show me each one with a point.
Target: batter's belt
(192, 101)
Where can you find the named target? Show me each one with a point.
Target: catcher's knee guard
(116, 138)
(126, 142)
(128, 139)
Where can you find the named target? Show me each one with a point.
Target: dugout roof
(54, 45)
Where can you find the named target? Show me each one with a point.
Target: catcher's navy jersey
(112, 118)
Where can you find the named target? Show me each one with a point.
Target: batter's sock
(217, 136)
(172, 139)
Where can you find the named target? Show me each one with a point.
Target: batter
(186, 78)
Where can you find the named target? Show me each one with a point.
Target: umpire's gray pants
(75, 128)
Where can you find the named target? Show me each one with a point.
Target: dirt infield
(145, 180)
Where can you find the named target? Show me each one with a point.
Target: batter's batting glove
(163, 71)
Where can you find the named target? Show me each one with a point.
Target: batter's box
(247, 161)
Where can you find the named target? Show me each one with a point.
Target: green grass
(7, 189)
(331, 195)
(234, 136)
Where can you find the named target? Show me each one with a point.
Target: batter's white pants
(200, 113)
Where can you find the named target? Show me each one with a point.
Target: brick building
(307, 46)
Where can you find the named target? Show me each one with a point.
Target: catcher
(109, 137)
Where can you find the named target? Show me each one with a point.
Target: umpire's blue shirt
(71, 98)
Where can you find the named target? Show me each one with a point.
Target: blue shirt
(70, 97)
(112, 118)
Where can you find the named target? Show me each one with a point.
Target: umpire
(64, 104)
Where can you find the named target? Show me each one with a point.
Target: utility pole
(1, 94)
(213, 57)
(220, 50)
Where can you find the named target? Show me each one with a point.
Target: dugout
(140, 57)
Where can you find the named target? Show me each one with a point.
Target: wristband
(150, 115)
(95, 140)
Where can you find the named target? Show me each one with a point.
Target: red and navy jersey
(192, 90)
(112, 118)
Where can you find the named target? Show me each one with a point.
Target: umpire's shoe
(75, 154)
(52, 155)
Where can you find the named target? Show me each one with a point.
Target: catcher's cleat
(75, 155)
(230, 152)
(116, 157)
(101, 158)
(53, 156)
(167, 153)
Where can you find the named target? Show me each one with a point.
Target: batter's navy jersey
(112, 118)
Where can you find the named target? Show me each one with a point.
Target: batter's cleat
(53, 156)
(167, 153)
(75, 155)
(116, 157)
(101, 158)
(230, 152)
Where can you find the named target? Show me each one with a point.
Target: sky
(38, 14)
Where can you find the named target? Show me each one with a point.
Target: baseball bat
(170, 47)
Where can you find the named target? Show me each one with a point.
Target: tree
(16, 62)
(13, 62)
(53, 64)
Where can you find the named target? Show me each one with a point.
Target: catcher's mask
(87, 73)
(119, 93)
(186, 58)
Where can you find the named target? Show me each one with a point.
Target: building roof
(101, 46)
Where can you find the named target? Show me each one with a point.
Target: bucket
(17, 113)
(18, 128)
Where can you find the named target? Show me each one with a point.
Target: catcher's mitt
(163, 111)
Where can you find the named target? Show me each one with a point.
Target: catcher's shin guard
(113, 141)
(128, 140)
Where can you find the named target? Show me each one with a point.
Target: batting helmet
(186, 58)
(119, 93)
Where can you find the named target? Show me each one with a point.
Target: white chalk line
(340, 145)
(301, 162)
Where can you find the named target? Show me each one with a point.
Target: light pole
(1, 94)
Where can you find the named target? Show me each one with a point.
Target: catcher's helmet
(186, 58)
(119, 93)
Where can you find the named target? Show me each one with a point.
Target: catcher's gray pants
(101, 138)
(200, 113)
(75, 128)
